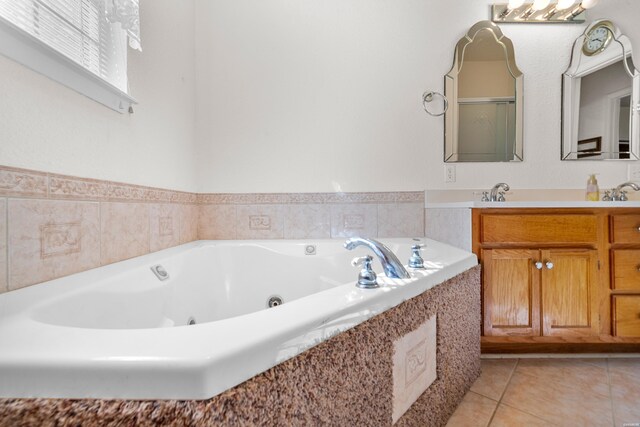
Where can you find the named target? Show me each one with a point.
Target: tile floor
(553, 392)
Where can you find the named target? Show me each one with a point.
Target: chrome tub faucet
(390, 263)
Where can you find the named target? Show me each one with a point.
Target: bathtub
(119, 331)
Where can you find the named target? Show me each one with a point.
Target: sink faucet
(390, 263)
(618, 194)
(496, 195)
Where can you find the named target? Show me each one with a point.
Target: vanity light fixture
(558, 7)
(541, 11)
(511, 6)
(536, 6)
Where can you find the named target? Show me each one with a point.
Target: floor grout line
(504, 390)
(513, 371)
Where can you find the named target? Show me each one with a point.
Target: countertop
(532, 204)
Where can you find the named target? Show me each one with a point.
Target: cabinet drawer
(626, 309)
(541, 229)
(625, 229)
(626, 269)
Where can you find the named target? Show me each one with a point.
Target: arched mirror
(600, 97)
(484, 88)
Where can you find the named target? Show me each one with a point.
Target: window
(79, 43)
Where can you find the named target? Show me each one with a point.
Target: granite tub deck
(346, 380)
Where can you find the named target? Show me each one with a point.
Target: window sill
(32, 53)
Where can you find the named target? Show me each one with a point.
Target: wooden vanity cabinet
(531, 289)
(625, 273)
(559, 280)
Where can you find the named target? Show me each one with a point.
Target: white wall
(48, 127)
(306, 95)
(295, 95)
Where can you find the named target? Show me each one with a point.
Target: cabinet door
(511, 286)
(568, 287)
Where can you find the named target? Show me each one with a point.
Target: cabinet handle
(549, 265)
(539, 265)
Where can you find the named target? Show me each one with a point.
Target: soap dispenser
(592, 193)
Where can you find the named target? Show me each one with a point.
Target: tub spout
(390, 263)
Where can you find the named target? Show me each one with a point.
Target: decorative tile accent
(164, 226)
(260, 222)
(415, 362)
(50, 239)
(60, 239)
(217, 222)
(354, 220)
(410, 197)
(414, 366)
(124, 231)
(310, 198)
(67, 187)
(401, 220)
(188, 222)
(3, 246)
(22, 182)
(307, 221)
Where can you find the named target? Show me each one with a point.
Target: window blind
(77, 29)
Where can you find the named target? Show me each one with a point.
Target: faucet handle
(416, 261)
(367, 279)
(485, 196)
(501, 196)
(606, 197)
(357, 261)
(623, 196)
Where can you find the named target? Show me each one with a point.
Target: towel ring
(428, 97)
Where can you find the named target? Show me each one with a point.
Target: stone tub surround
(53, 225)
(346, 380)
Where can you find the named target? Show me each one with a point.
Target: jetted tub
(119, 331)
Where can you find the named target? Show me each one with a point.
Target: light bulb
(514, 4)
(564, 4)
(540, 4)
(588, 4)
